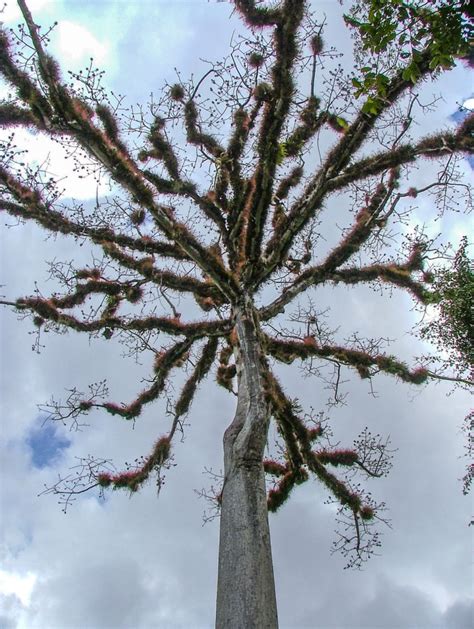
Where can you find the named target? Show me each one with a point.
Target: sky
(147, 561)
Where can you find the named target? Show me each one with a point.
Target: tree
(243, 247)
(452, 330)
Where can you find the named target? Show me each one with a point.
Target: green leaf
(342, 123)
(411, 72)
(371, 106)
(282, 152)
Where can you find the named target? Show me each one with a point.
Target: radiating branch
(305, 207)
(361, 361)
(48, 310)
(277, 108)
(429, 147)
(391, 273)
(76, 120)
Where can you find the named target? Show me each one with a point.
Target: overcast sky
(147, 562)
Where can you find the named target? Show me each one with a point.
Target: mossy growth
(316, 43)
(177, 92)
(255, 60)
(263, 92)
(137, 217)
(367, 513)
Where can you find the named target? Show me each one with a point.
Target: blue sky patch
(46, 443)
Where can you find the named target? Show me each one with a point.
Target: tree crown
(230, 218)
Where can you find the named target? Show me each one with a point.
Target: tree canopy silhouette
(220, 192)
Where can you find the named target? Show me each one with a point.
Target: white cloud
(58, 162)
(76, 44)
(12, 12)
(469, 103)
(20, 585)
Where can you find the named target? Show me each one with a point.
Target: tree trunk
(246, 589)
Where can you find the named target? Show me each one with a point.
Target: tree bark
(246, 588)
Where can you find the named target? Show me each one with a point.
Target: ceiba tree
(218, 199)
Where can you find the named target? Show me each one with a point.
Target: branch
(288, 351)
(290, 426)
(365, 223)
(195, 135)
(188, 190)
(145, 266)
(371, 455)
(313, 196)
(48, 311)
(52, 220)
(202, 368)
(134, 479)
(75, 118)
(13, 116)
(437, 376)
(163, 151)
(276, 111)
(41, 111)
(431, 146)
(311, 121)
(257, 16)
(93, 473)
(164, 362)
(243, 124)
(397, 274)
(85, 478)
(242, 189)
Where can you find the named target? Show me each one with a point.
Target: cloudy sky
(148, 562)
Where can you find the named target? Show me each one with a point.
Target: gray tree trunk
(246, 588)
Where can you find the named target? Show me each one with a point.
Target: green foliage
(440, 27)
(453, 330)
(281, 154)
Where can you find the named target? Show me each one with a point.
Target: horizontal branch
(429, 147)
(13, 116)
(47, 310)
(145, 267)
(396, 274)
(362, 362)
(436, 376)
(56, 222)
(127, 290)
